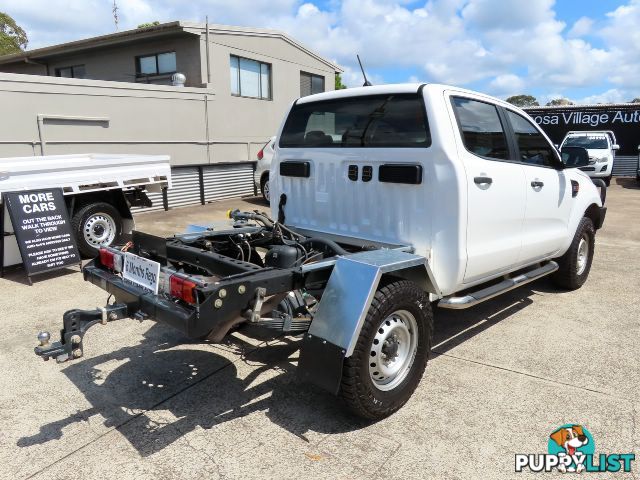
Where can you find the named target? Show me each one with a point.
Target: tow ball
(75, 325)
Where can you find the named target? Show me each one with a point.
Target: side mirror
(574, 157)
(615, 146)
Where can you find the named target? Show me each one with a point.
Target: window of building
(76, 71)
(157, 64)
(310, 84)
(481, 129)
(371, 121)
(533, 147)
(250, 78)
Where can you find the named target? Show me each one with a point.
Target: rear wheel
(95, 225)
(575, 264)
(391, 353)
(264, 188)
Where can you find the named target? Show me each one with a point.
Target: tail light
(261, 152)
(111, 259)
(182, 288)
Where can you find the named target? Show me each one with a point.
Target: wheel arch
(116, 198)
(594, 213)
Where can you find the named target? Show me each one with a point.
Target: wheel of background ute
(391, 353)
(607, 180)
(94, 225)
(264, 188)
(575, 264)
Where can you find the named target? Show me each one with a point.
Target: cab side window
(533, 147)
(481, 129)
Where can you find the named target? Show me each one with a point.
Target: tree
(559, 102)
(339, 84)
(523, 101)
(13, 39)
(149, 24)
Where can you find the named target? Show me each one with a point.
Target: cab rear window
(394, 120)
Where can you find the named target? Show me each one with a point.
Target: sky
(584, 50)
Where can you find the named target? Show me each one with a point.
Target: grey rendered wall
(248, 119)
(118, 63)
(113, 117)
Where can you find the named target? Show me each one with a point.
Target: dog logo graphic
(570, 448)
(571, 439)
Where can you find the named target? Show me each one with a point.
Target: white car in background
(261, 175)
(601, 146)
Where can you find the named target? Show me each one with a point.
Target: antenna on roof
(115, 14)
(367, 83)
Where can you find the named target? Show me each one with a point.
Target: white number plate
(142, 272)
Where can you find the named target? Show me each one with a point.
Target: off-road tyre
(79, 225)
(607, 180)
(357, 388)
(570, 276)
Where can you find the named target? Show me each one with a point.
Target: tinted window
(596, 143)
(481, 128)
(158, 64)
(534, 148)
(77, 71)
(371, 121)
(310, 84)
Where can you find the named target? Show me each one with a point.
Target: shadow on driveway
(131, 387)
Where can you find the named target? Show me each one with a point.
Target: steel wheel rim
(393, 350)
(583, 255)
(265, 191)
(99, 229)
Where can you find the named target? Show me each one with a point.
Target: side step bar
(479, 296)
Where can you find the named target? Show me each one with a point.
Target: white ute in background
(99, 191)
(261, 175)
(602, 147)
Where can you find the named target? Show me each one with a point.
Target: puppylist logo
(571, 449)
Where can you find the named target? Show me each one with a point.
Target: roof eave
(95, 42)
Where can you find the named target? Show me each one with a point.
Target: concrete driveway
(147, 403)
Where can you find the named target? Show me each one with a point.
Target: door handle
(483, 180)
(537, 183)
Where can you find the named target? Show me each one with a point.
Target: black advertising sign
(42, 228)
(623, 120)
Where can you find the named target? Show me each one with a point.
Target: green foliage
(559, 102)
(523, 101)
(13, 39)
(148, 24)
(339, 84)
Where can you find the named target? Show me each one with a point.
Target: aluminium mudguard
(345, 302)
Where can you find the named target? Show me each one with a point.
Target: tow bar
(75, 325)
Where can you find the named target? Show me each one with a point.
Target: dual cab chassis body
(347, 284)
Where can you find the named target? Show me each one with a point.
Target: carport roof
(154, 31)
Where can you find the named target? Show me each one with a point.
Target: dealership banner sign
(624, 121)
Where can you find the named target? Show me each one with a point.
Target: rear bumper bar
(141, 303)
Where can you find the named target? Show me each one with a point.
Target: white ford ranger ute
(386, 202)
(601, 146)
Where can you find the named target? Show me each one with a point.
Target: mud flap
(336, 326)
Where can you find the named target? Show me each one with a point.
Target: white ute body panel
(469, 233)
